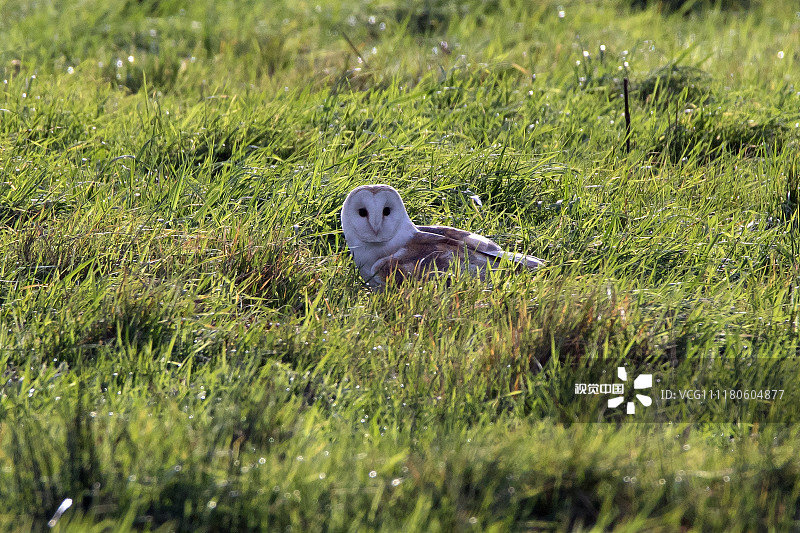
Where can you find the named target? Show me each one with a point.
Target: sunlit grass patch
(185, 341)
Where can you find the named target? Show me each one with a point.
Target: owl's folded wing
(436, 248)
(483, 245)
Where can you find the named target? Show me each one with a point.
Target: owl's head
(373, 214)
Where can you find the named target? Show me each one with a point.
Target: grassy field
(185, 343)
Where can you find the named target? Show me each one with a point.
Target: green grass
(185, 342)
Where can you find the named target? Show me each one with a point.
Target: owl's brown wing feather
(436, 251)
(483, 245)
(472, 240)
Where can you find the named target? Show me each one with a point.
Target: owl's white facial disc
(373, 214)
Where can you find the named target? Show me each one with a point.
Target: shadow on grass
(686, 7)
(706, 135)
(675, 84)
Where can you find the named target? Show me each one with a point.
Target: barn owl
(385, 242)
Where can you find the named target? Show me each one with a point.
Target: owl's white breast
(366, 254)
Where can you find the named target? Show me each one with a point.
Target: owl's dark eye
(363, 213)
(387, 211)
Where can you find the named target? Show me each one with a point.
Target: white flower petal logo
(643, 381)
